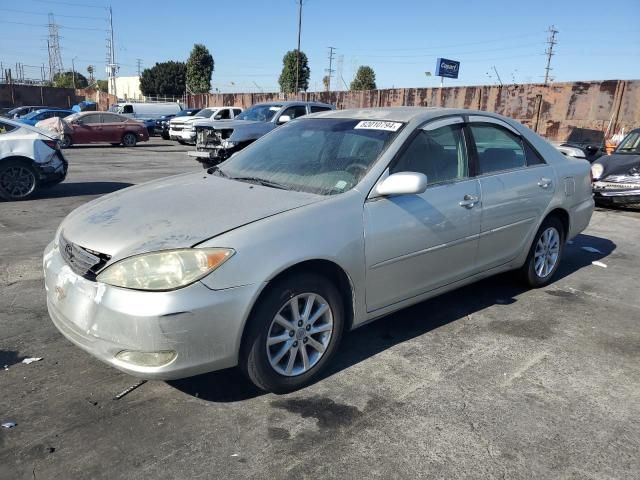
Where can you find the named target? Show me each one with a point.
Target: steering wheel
(356, 167)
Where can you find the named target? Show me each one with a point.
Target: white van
(145, 110)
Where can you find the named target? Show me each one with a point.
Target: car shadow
(367, 341)
(109, 146)
(78, 189)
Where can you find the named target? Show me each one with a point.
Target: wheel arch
(18, 158)
(562, 215)
(326, 268)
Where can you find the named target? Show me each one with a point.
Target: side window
(6, 128)
(236, 112)
(440, 154)
(61, 114)
(533, 158)
(127, 109)
(223, 114)
(498, 149)
(89, 119)
(316, 108)
(295, 111)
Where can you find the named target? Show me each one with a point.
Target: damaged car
(319, 227)
(215, 142)
(617, 176)
(30, 159)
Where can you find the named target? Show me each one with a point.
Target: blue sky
(400, 40)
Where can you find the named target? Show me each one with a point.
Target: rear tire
(545, 254)
(280, 354)
(65, 141)
(18, 180)
(129, 139)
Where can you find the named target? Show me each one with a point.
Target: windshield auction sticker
(378, 125)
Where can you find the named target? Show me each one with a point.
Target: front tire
(293, 333)
(545, 254)
(18, 180)
(129, 140)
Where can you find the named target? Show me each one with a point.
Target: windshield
(325, 156)
(206, 112)
(259, 113)
(187, 113)
(630, 144)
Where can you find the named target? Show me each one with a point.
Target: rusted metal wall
(554, 111)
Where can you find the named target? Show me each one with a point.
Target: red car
(103, 127)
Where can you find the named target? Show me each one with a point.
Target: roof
(287, 103)
(398, 114)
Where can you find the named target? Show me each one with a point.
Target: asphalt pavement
(490, 381)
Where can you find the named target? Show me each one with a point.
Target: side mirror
(402, 183)
(217, 117)
(284, 119)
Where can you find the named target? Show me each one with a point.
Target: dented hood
(174, 212)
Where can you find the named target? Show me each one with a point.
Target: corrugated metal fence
(554, 111)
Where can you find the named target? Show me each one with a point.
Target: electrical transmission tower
(53, 45)
(339, 71)
(329, 70)
(551, 41)
(139, 65)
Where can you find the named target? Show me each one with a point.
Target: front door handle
(469, 201)
(544, 182)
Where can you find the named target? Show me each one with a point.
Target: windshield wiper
(218, 170)
(262, 181)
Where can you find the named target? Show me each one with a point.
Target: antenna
(329, 71)
(551, 41)
(53, 44)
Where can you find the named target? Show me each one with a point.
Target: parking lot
(490, 381)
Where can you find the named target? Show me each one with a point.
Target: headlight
(228, 144)
(596, 170)
(165, 270)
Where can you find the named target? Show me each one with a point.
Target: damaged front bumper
(625, 190)
(186, 332)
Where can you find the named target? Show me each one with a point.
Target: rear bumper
(55, 171)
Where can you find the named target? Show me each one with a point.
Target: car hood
(175, 212)
(619, 164)
(183, 120)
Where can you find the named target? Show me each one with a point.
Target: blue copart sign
(447, 68)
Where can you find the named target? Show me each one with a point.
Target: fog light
(147, 359)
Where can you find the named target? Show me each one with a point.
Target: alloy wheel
(299, 334)
(547, 252)
(129, 140)
(17, 181)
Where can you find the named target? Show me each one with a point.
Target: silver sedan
(319, 227)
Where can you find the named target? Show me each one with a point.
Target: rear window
(316, 108)
(6, 128)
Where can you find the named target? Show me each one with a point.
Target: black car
(617, 176)
(162, 123)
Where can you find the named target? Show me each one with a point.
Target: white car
(183, 130)
(30, 159)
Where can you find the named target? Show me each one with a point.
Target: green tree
(166, 78)
(200, 66)
(287, 78)
(103, 85)
(65, 80)
(365, 79)
(325, 82)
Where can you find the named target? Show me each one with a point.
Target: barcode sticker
(378, 125)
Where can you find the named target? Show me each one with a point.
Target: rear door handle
(469, 201)
(544, 182)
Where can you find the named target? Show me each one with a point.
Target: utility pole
(551, 41)
(330, 70)
(73, 71)
(497, 75)
(139, 65)
(112, 66)
(298, 50)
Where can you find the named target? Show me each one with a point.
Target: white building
(127, 88)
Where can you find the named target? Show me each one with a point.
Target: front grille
(176, 128)
(84, 262)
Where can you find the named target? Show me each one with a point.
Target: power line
(72, 4)
(59, 26)
(551, 41)
(44, 14)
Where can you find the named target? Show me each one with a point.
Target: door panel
(514, 195)
(416, 243)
